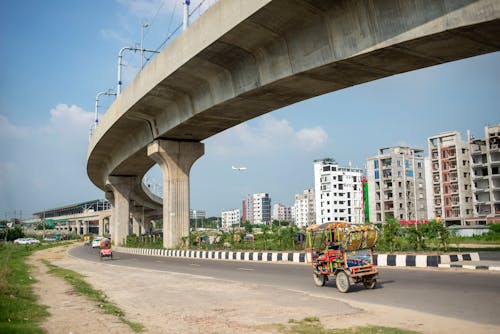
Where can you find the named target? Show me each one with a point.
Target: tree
(248, 227)
(391, 231)
(443, 235)
(14, 233)
(416, 236)
(265, 231)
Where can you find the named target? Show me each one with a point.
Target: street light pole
(185, 19)
(120, 60)
(144, 25)
(108, 92)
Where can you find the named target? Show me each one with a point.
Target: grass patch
(81, 286)
(312, 325)
(19, 311)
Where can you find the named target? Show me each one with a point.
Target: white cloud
(69, 119)
(268, 135)
(312, 139)
(111, 35)
(7, 129)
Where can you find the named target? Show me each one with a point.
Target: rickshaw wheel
(319, 280)
(342, 281)
(370, 284)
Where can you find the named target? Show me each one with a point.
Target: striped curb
(381, 260)
(421, 261)
(470, 267)
(219, 255)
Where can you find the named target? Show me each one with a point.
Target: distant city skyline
(49, 78)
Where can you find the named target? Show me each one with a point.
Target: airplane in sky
(239, 168)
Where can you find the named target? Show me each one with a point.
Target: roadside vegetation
(78, 282)
(19, 311)
(282, 236)
(312, 325)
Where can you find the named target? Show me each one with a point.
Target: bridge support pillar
(122, 186)
(101, 226)
(175, 159)
(136, 221)
(78, 227)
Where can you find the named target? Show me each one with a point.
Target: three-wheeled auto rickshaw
(105, 248)
(342, 251)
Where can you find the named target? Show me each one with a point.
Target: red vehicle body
(105, 249)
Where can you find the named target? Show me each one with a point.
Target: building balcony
(478, 164)
(494, 148)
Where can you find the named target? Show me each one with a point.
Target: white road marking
(247, 269)
(194, 264)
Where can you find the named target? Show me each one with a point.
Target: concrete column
(111, 199)
(101, 225)
(85, 227)
(78, 227)
(175, 159)
(107, 227)
(122, 186)
(136, 220)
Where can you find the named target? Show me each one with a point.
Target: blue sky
(56, 55)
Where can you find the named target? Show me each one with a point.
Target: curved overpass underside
(242, 59)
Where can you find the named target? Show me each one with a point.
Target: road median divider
(381, 260)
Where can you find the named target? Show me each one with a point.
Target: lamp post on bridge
(120, 64)
(108, 92)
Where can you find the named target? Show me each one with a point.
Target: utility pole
(185, 19)
(109, 92)
(120, 64)
(144, 25)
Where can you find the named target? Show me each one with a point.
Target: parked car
(26, 241)
(96, 242)
(49, 239)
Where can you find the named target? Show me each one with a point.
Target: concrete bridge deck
(242, 59)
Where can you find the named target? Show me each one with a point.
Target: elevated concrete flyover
(242, 59)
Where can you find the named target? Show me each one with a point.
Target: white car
(26, 241)
(96, 242)
(33, 241)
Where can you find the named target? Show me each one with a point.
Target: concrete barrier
(381, 260)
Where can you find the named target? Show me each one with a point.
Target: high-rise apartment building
(282, 213)
(396, 184)
(338, 192)
(258, 208)
(304, 213)
(451, 179)
(485, 164)
(230, 218)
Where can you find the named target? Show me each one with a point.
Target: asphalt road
(473, 296)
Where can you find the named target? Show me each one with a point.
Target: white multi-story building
(485, 165)
(304, 213)
(197, 214)
(451, 179)
(338, 192)
(230, 218)
(259, 208)
(396, 184)
(282, 213)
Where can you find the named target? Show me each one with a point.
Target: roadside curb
(470, 267)
(381, 260)
(421, 261)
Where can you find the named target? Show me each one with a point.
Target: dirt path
(166, 302)
(69, 312)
